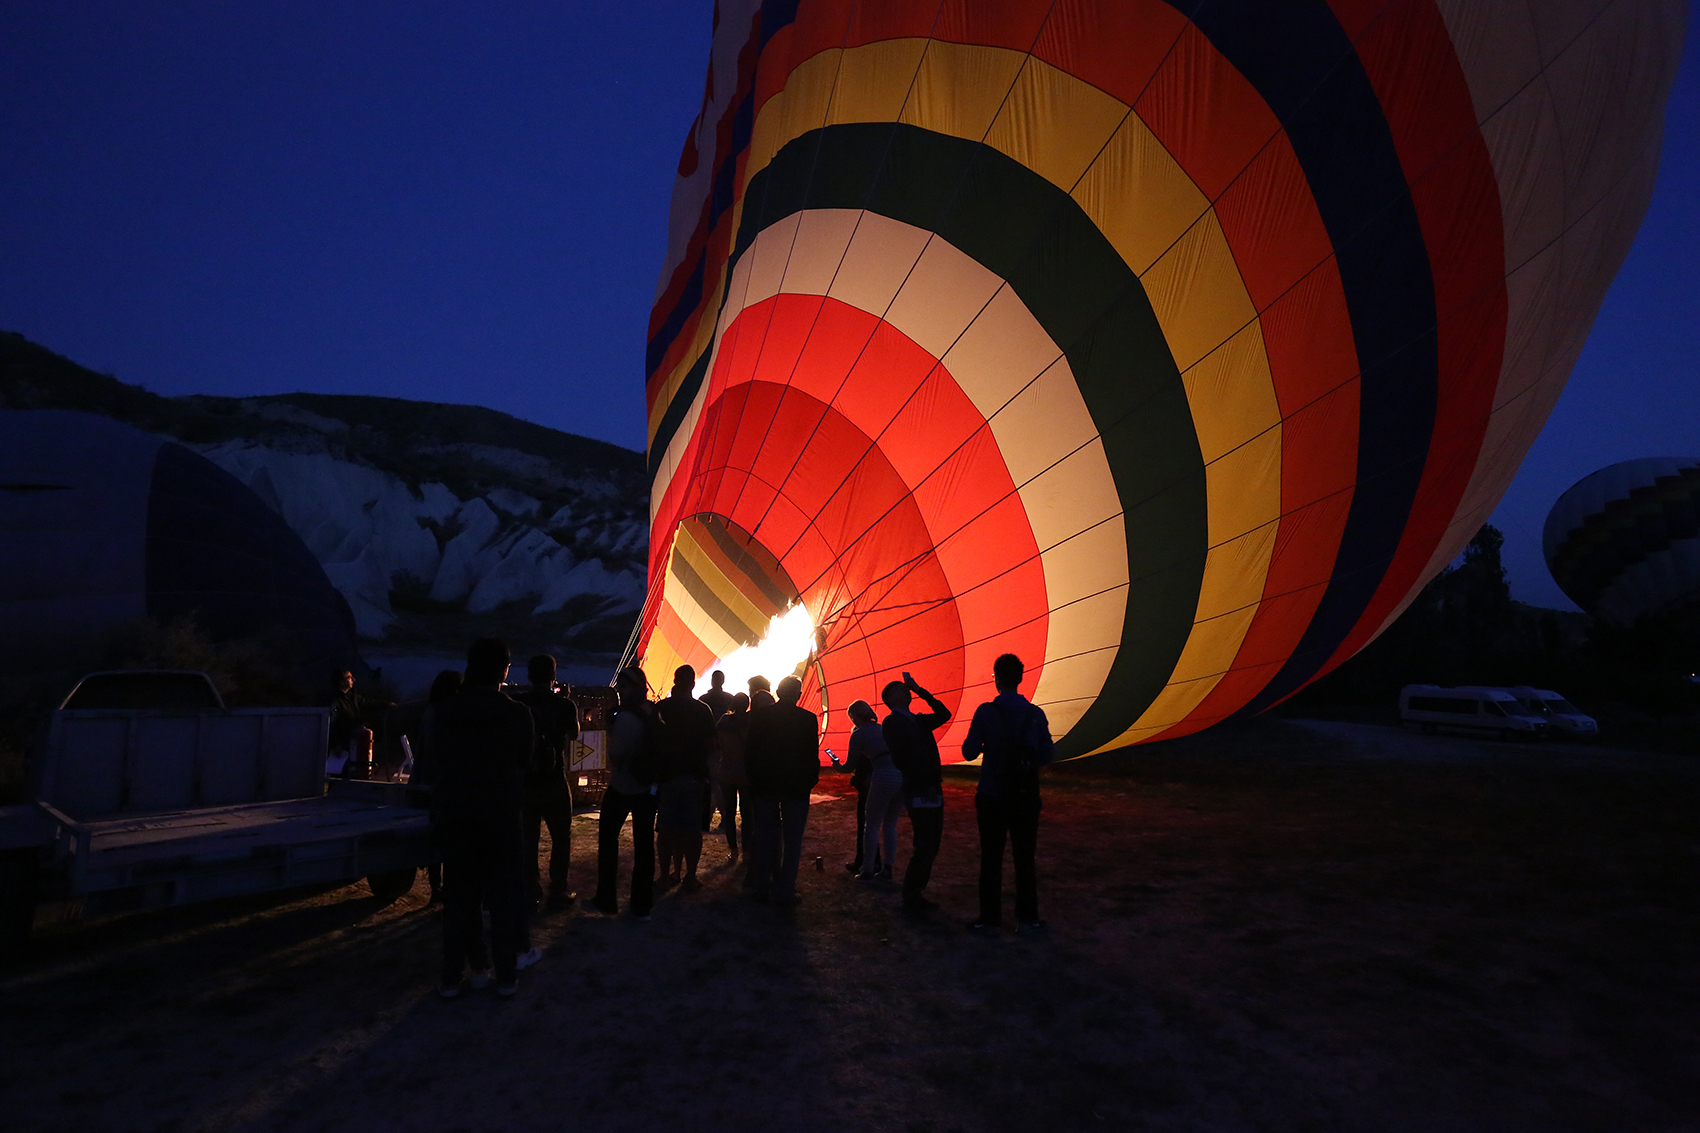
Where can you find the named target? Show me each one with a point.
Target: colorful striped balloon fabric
(1170, 346)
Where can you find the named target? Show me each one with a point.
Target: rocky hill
(436, 522)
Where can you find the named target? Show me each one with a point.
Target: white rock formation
(370, 530)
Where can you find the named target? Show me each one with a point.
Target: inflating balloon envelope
(1172, 347)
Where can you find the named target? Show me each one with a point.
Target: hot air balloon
(1170, 346)
(1624, 543)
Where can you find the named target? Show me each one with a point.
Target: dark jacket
(1015, 737)
(913, 748)
(689, 730)
(556, 720)
(350, 710)
(719, 701)
(483, 741)
(782, 751)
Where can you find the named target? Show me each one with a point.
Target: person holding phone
(909, 737)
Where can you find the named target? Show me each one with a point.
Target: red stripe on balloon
(912, 546)
(1408, 54)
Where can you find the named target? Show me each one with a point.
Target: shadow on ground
(1279, 926)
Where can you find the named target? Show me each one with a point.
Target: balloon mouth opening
(783, 650)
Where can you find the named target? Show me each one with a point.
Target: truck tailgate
(173, 857)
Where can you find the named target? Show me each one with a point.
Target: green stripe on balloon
(1027, 231)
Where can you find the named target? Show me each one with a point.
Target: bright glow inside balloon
(786, 645)
(1087, 332)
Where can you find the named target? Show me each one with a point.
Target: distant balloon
(101, 524)
(1624, 543)
(1172, 347)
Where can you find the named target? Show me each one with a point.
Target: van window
(1561, 705)
(1458, 706)
(1492, 708)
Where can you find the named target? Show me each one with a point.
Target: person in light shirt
(629, 795)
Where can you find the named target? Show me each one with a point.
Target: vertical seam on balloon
(705, 444)
(755, 528)
(1016, 78)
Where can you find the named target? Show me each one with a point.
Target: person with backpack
(634, 743)
(1014, 736)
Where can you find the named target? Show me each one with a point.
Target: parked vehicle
(1563, 717)
(1470, 710)
(150, 792)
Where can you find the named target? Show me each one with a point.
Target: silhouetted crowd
(496, 766)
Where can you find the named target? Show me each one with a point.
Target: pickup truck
(150, 792)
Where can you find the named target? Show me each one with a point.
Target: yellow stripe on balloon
(1092, 145)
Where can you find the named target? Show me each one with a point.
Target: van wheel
(392, 885)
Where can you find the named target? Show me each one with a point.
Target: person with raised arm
(909, 737)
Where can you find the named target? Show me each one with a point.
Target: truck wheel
(19, 875)
(391, 885)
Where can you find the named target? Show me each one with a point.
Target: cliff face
(436, 522)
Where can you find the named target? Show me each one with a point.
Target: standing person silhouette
(729, 776)
(885, 793)
(909, 737)
(483, 743)
(861, 769)
(1015, 738)
(782, 757)
(630, 794)
(548, 798)
(689, 728)
(761, 701)
(422, 737)
(719, 701)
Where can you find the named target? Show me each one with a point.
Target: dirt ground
(1284, 926)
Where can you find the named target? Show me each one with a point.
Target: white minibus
(1469, 710)
(1563, 717)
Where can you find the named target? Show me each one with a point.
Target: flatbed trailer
(144, 808)
(146, 861)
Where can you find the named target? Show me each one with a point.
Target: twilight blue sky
(467, 203)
